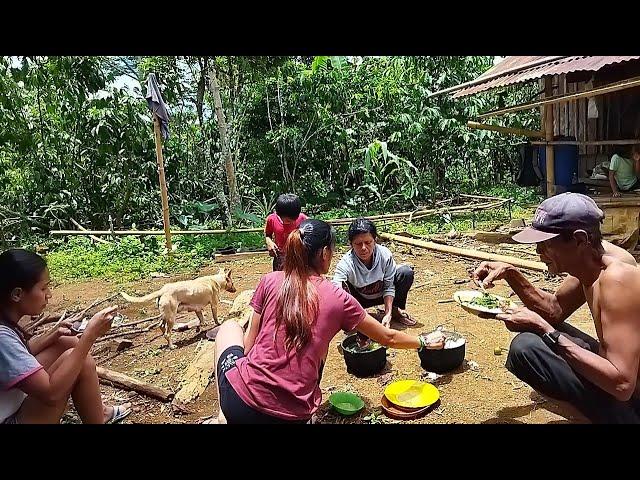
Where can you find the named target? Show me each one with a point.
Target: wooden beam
(498, 128)
(614, 87)
(618, 202)
(153, 232)
(464, 195)
(548, 128)
(465, 252)
(592, 142)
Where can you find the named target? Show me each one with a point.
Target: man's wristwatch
(551, 339)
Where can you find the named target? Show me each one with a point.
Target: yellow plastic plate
(411, 394)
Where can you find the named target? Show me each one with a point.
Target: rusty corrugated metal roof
(553, 67)
(509, 63)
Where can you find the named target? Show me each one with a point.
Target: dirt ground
(481, 391)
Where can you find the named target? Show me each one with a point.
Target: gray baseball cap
(567, 211)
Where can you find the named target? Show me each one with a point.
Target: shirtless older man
(598, 377)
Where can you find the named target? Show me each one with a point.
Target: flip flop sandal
(119, 412)
(212, 333)
(405, 319)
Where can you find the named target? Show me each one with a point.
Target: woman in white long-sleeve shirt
(370, 274)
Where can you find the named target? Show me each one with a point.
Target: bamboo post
(112, 228)
(153, 232)
(163, 183)
(548, 129)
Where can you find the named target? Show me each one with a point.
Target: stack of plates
(408, 399)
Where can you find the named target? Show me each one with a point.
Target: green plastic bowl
(346, 403)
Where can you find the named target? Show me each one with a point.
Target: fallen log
(241, 311)
(197, 376)
(465, 252)
(125, 382)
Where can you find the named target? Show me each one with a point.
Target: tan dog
(188, 295)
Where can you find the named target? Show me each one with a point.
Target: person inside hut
(623, 172)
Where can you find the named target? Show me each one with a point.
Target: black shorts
(11, 419)
(234, 408)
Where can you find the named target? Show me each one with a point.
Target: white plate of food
(483, 304)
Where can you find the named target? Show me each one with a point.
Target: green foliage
(522, 197)
(126, 260)
(349, 135)
(131, 258)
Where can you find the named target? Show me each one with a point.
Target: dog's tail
(144, 299)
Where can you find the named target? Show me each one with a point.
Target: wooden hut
(592, 102)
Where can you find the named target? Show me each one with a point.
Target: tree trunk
(214, 88)
(206, 141)
(3, 241)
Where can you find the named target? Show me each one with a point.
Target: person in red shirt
(271, 373)
(280, 224)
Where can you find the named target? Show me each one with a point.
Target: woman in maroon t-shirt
(271, 373)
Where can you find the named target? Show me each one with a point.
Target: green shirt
(625, 174)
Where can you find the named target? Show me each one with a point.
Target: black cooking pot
(363, 364)
(445, 359)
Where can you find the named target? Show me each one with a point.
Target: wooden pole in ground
(548, 130)
(163, 183)
(465, 252)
